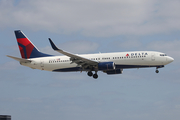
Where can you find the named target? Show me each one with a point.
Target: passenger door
(42, 64)
(153, 57)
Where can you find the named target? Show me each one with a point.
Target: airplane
(109, 63)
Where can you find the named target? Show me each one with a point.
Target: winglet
(53, 45)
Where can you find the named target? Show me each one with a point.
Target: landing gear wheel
(95, 76)
(90, 73)
(157, 71)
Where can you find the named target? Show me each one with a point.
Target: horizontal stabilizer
(19, 59)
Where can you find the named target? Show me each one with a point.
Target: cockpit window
(163, 55)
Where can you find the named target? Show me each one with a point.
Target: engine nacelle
(106, 66)
(117, 71)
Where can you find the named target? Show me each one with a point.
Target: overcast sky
(90, 26)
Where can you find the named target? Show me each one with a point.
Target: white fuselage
(134, 59)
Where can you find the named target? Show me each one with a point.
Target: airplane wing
(19, 59)
(84, 62)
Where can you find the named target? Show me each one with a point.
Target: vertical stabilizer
(26, 47)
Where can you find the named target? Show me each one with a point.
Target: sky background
(90, 26)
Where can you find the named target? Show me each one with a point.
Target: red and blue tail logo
(26, 47)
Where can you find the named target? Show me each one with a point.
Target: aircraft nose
(169, 59)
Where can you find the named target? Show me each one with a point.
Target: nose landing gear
(157, 71)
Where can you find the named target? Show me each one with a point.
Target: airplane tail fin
(26, 47)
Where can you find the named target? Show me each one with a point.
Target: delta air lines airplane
(109, 63)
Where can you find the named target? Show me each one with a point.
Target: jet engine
(106, 66)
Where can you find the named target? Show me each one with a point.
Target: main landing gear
(95, 76)
(90, 73)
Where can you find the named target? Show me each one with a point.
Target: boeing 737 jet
(109, 63)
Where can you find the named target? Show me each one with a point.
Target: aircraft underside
(73, 69)
(118, 67)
